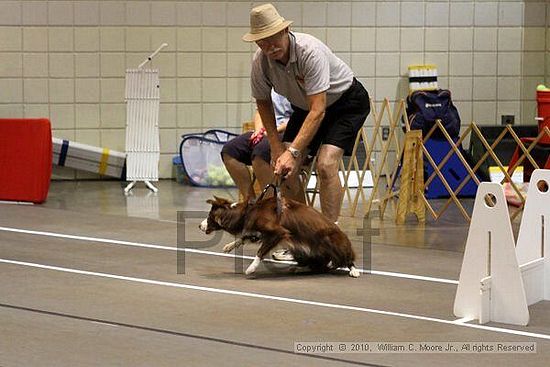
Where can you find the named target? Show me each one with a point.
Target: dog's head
(223, 215)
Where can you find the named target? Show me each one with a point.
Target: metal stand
(149, 185)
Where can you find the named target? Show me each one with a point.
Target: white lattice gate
(142, 130)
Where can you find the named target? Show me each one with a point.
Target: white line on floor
(211, 253)
(274, 298)
(463, 320)
(16, 202)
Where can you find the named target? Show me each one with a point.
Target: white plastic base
(490, 286)
(533, 247)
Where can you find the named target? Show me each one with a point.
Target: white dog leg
(231, 245)
(353, 272)
(236, 244)
(252, 267)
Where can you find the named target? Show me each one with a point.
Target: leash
(275, 185)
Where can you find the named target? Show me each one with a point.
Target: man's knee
(259, 161)
(231, 162)
(228, 159)
(327, 168)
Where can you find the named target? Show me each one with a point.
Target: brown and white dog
(312, 239)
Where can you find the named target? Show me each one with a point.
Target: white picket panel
(490, 286)
(142, 124)
(142, 129)
(533, 246)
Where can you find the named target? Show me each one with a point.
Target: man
(252, 149)
(330, 105)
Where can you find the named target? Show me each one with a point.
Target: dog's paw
(355, 273)
(229, 247)
(250, 270)
(252, 267)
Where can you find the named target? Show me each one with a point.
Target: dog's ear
(216, 202)
(221, 201)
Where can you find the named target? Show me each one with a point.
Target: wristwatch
(295, 152)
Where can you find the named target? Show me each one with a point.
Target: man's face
(275, 47)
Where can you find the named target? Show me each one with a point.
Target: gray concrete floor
(110, 294)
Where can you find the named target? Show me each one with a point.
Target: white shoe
(282, 255)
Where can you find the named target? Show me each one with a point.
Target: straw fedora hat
(265, 21)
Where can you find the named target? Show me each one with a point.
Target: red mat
(25, 159)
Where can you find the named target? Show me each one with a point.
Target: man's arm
(317, 104)
(257, 122)
(288, 165)
(265, 109)
(282, 127)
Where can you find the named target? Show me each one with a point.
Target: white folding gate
(142, 130)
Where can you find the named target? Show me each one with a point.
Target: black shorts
(342, 121)
(239, 148)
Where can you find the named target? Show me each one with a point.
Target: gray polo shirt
(312, 68)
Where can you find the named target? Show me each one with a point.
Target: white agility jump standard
(490, 287)
(533, 247)
(142, 130)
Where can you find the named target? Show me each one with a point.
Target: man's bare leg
(330, 188)
(240, 174)
(263, 171)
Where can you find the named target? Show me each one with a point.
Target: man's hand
(286, 165)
